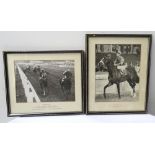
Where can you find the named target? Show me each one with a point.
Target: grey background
(72, 40)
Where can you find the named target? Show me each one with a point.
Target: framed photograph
(44, 82)
(117, 73)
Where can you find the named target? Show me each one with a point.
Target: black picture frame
(7, 86)
(87, 87)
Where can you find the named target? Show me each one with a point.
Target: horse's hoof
(134, 95)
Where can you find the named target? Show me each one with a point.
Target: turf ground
(55, 94)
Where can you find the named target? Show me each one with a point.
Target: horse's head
(105, 62)
(101, 65)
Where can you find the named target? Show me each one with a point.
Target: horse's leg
(70, 88)
(46, 87)
(41, 86)
(44, 91)
(134, 92)
(60, 81)
(108, 85)
(63, 91)
(67, 94)
(132, 85)
(118, 89)
(62, 88)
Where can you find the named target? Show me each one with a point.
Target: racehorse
(27, 69)
(115, 76)
(43, 84)
(66, 86)
(36, 69)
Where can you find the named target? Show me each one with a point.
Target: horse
(66, 86)
(36, 69)
(27, 69)
(116, 77)
(43, 84)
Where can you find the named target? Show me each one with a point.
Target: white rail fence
(30, 93)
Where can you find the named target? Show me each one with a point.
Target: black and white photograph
(117, 70)
(117, 73)
(44, 81)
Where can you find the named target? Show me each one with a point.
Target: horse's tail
(136, 77)
(134, 74)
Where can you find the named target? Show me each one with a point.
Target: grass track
(54, 90)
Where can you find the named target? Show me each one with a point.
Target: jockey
(67, 74)
(120, 63)
(43, 74)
